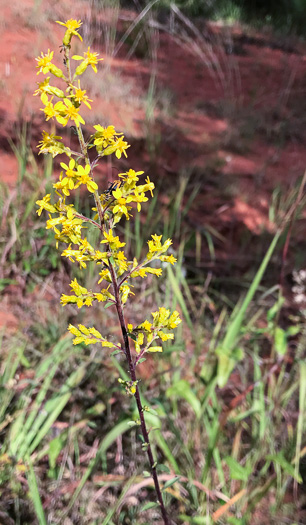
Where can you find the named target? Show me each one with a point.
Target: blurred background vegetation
(285, 15)
(228, 396)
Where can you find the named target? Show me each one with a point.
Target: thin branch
(86, 219)
(137, 394)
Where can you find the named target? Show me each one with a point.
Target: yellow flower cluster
(111, 205)
(108, 141)
(89, 59)
(51, 144)
(149, 332)
(74, 178)
(84, 297)
(89, 336)
(72, 26)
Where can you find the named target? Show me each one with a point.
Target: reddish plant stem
(132, 370)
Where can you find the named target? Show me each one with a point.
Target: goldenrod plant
(111, 206)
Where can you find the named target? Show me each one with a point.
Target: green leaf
(273, 311)
(236, 521)
(226, 363)
(146, 474)
(171, 482)
(96, 409)
(116, 352)
(55, 448)
(107, 305)
(293, 330)
(236, 470)
(163, 468)
(151, 505)
(182, 389)
(285, 465)
(280, 340)
(196, 520)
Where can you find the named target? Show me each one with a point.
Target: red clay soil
(236, 107)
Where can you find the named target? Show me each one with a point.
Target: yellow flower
(44, 62)
(70, 181)
(132, 175)
(168, 258)
(50, 144)
(118, 147)
(165, 337)
(120, 206)
(112, 241)
(49, 110)
(67, 111)
(174, 320)
(155, 349)
(105, 275)
(83, 178)
(104, 137)
(77, 288)
(106, 133)
(149, 186)
(125, 290)
(44, 205)
(69, 169)
(80, 96)
(72, 26)
(89, 59)
(146, 326)
(137, 197)
(155, 244)
(161, 316)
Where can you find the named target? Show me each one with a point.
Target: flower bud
(55, 91)
(81, 68)
(67, 38)
(56, 71)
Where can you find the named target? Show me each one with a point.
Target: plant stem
(116, 287)
(132, 370)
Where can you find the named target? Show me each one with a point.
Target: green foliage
(283, 15)
(24, 243)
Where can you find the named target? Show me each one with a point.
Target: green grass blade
(300, 424)
(226, 361)
(109, 439)
(179, 296)
(55, 406)
(235, 326)
(6, 394)
(34, 494)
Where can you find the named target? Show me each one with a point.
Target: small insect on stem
(112, 187)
